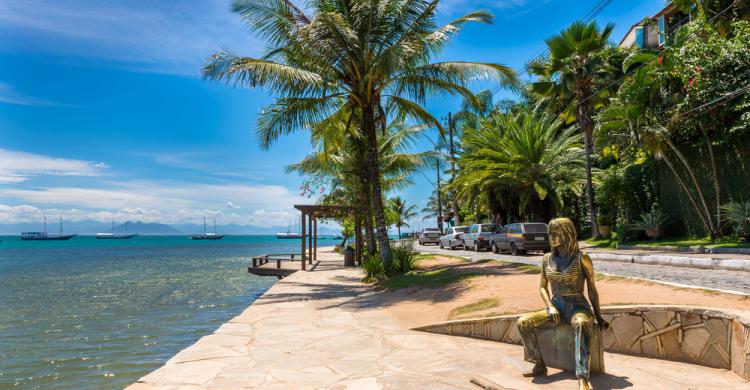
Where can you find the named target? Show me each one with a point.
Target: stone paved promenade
(735, 281)
(325, 329)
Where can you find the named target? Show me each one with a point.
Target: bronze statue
(565, 269)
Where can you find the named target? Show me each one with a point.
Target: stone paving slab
(325, 330)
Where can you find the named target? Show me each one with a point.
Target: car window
(535, 228)
(461, 229)
(504, 230)
(487, 228)
(473, 229)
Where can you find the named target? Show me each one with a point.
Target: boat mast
(204, 225)
(61, 226)
(113, 227)
(45, 224)
(214, 225)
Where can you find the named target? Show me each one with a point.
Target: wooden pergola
(310, 216)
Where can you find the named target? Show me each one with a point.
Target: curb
(675, 261)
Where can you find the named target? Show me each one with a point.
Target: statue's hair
(565, 228)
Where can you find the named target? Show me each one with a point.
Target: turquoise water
(99, 314)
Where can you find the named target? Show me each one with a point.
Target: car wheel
(441, 244)
(495, 249)
(420, 242)
(513, 249)
(450, 244)
(463, 245)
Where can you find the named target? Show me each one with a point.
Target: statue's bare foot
(583, 384)
(538, 370)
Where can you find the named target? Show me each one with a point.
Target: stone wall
(695, 335)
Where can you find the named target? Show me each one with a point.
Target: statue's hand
(603, 325)
(554, 314)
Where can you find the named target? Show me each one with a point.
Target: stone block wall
(702, 336)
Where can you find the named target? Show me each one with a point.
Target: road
(730, 281)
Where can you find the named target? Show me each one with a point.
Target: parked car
(429, 235)
(521, 237)
(454, 237)
(478, 236)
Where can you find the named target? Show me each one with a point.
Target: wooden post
(357, 240)
(315, 243)
(303, 240)
(310, 238)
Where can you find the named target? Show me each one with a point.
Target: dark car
(478, 236)
(521, 237)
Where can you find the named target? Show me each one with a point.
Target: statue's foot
(583, 384)
(538, 370)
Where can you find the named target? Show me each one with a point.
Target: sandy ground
(516, 291)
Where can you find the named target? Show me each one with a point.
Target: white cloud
(162, 202)
(171, 37)
(9, 95)
(16, 167)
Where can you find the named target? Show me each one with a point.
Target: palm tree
(527, 154)
(573, 80)
(374, 55)
(401, 212)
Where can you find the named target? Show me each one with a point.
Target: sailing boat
(288, 234)
(113, 236)
(208, 236)
(43, 236)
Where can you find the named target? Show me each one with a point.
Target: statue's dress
(568, 297)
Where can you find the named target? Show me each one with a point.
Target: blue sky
(103, 113)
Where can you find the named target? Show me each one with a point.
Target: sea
(99, 314)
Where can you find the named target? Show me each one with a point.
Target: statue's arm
(544, 292)
(588, 268)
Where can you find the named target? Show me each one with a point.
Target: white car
(429, 235)
(454, 237)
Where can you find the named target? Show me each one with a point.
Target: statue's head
(562, 235)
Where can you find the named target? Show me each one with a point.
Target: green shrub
(737, 215)
(404, 258)
(374, 268)
(651, 223)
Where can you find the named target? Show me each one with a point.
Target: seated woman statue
(565, 270)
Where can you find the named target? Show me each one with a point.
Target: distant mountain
(88, 227)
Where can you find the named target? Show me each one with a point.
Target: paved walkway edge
(674, 261)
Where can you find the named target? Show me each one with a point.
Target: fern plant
(651, 223)
(374, 268)
(737, 215)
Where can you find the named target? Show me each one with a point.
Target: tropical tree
(401, 212)
(575, 81)
(374, 55)
(528, 155)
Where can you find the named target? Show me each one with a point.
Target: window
(639, 36)
(662, 31)
(535, 228)
(461, 229)
(473, 229)
(505, 229)
(515, 228)
(487, 228)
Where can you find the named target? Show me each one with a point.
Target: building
(653, 32)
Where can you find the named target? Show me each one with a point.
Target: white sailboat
(43, 236)
(206, 235)
(289, 234)
(113, 236)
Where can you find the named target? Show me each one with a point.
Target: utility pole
(456, 220)
(439, 198)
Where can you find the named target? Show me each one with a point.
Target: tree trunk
(587, 127)
(715, 177)
(366, 202)
(398, 227)
(706, 209)
(687, 192)
(368, 125)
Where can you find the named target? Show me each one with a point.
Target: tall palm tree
(573, 80)
(401, 212)
(529, 155)
(375, 55)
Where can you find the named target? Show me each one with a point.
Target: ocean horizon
(91, 314)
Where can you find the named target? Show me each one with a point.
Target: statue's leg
(526, 325)
(582, 323)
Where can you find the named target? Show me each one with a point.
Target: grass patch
(721, 242)
(482, 304)
(430, 279)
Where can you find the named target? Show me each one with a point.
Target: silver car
(478, 236)
(454, 237)
(429, 235)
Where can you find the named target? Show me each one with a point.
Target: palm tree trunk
(368, 125)
(366, 202)
(706, 209)
(587, 127)
(687, 192)
(715, 177)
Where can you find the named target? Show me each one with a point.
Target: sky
(104, 115)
